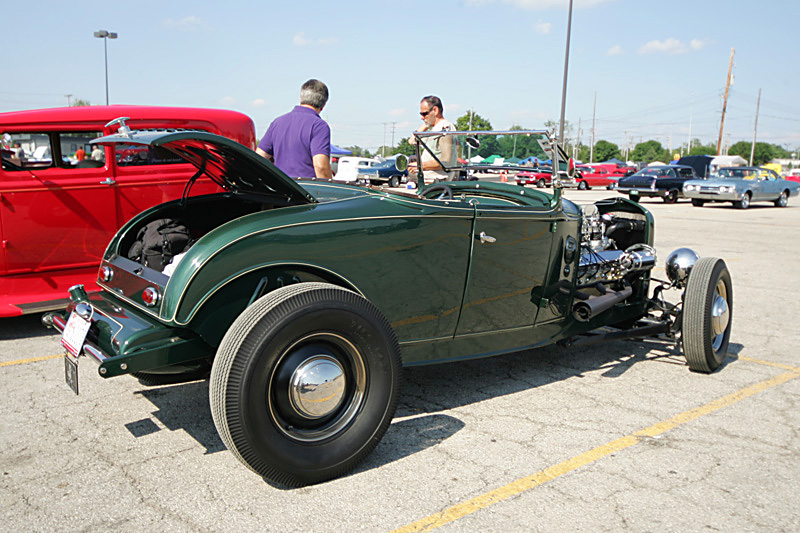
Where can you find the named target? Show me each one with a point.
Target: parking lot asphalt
(612, 437)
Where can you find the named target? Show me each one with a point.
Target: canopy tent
(493, 160)
(727, 161)
(335, 150)
(513, 161)
(475, 159)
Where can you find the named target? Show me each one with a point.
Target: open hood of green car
(234, 167)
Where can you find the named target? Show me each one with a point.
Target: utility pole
(393, 123)
(383, 147)
(594, 114)
(755, 128)
(725, 102)
(69, 100)
(564, 85)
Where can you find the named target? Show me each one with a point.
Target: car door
(510, 254)
(56, 212)
(772, 185)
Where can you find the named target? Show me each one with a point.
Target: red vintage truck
(62, 199)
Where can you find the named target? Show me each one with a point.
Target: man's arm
(262, 153)
(322, 167)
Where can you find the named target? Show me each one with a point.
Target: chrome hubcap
(317, 386)
(720, 314)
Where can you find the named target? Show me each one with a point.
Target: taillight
(150, 296)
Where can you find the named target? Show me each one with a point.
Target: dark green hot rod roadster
(305, 298)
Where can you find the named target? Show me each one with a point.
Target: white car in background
(349, 167)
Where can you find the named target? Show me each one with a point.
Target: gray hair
(314, 93)
(434, 101)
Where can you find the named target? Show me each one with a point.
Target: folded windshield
(487, 150)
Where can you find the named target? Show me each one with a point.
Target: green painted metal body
(482, 273)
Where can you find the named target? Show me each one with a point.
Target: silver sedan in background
(741, 186)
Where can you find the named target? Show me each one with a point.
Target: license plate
(75, 333)
(71, 372)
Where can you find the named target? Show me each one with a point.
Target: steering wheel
(446, 192)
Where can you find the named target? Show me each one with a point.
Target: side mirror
(473, 142)
(401, 162)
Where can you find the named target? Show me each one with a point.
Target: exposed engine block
(600, 260)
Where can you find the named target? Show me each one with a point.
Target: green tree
(79, 102)
(701, 149)
(650, 151)
(583, 153)
(478, 122)
(780, 152)
(403, 147)
(604, 150)
(358, 151)
(764, 152)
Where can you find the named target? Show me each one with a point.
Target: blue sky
(658, 68)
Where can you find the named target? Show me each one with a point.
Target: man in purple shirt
(299, 142)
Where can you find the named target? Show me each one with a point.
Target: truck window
(129, 155)
(39, 150)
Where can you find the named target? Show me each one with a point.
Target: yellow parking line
(31, 360)
(498, 495)
(769, 363)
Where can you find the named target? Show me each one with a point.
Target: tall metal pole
(105, 35)
(755, 128)
(594, 114)
(564, 86)
(105, 54)
(725, 103)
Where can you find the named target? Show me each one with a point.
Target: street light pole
(105, 35)
(564, 86)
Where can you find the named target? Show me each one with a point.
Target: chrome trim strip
(59, 323)
(98, 356)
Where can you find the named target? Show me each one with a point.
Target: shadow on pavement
(428, 390)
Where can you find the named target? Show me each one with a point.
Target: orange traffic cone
(503, 177)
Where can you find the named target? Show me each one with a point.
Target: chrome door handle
(486, 238)
(108, 181)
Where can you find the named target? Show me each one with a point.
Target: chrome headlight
(690, 187)
(727, 188)
(679, 265)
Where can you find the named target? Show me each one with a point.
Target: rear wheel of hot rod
(305, 383)
(707, 314)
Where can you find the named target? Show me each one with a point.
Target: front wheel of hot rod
(305, 383)
(707, 314)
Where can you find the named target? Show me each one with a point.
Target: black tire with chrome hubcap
(305, 383)
(707, 314)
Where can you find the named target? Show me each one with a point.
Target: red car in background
(58, 211)
(538, 177)
(596, 176)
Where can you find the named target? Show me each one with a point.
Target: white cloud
(189, 23)
(259, 102)
(542, 27)
(614, 50)
(228, 100)
(300, 39)
(697, 44)
(667, 46)
(397, 111)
